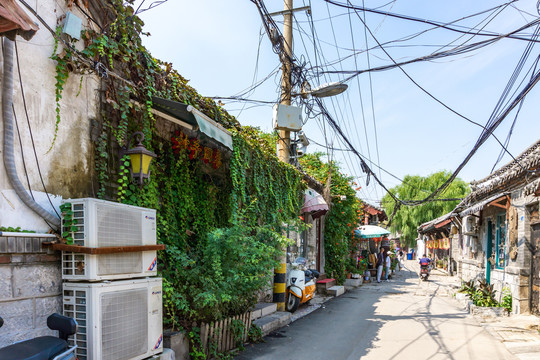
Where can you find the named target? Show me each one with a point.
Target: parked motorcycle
(300, 284)
(45, 347)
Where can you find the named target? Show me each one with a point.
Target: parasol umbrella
(370, 231)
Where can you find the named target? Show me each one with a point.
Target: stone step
(272, 322)
(353, 283)
(336, 290)
(263, 309)
(324, 285)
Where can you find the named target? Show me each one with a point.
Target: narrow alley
(183, 179)
(400, 319)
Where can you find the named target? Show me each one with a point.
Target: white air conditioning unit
(470, 226)
(117, 319)
(108, 224)
(86, 267)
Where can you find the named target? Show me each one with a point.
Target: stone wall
(30, 286)
(512, 278)
(470, 269)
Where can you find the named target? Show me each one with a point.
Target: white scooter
(300, 284)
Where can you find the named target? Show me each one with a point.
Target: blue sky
(216, 45)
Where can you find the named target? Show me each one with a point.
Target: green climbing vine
(123, 179)
(273, 191)
(62, 60)
(68, 223)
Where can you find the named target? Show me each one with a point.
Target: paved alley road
(402, 319)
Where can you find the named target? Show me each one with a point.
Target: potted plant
(350, 266)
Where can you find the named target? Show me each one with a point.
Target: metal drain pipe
(9, 157)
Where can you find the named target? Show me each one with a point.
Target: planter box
(464, 300)
(487, 312)
(352, 283)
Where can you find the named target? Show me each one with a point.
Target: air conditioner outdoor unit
(86, 267)
(108, 224)
(117, 319)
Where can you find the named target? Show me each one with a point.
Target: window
(500, 244)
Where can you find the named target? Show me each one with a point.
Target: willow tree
(414, 187)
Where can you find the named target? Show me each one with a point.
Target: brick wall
(30, 286)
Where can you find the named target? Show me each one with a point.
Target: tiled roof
(436, 223)
(520, 172)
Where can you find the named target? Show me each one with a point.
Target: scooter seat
(41, 348)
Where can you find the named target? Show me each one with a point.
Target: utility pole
(284, 141)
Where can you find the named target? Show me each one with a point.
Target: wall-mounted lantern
(140, 159)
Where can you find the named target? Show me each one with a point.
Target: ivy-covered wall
(220, 213)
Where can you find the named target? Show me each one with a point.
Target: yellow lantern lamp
(140, 159)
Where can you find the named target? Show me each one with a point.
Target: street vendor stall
(371, 238)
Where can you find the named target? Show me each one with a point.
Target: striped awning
(313, 202)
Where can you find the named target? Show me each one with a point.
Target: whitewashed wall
(68, 167)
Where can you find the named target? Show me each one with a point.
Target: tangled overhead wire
(315, 106)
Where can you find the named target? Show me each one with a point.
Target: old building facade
(497, 234)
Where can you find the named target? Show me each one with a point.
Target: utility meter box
(287, 117)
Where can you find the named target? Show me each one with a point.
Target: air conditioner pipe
(9, 157)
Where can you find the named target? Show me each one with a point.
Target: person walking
(388, 263)
(380, 263)
(400, 259)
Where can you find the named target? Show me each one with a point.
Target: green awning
(192, 119)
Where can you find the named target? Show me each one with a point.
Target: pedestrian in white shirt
(388, 262)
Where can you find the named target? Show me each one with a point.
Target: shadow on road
(343, 327)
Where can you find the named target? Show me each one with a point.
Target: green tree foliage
(414, 187)
(222, 277)
(343, 216)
